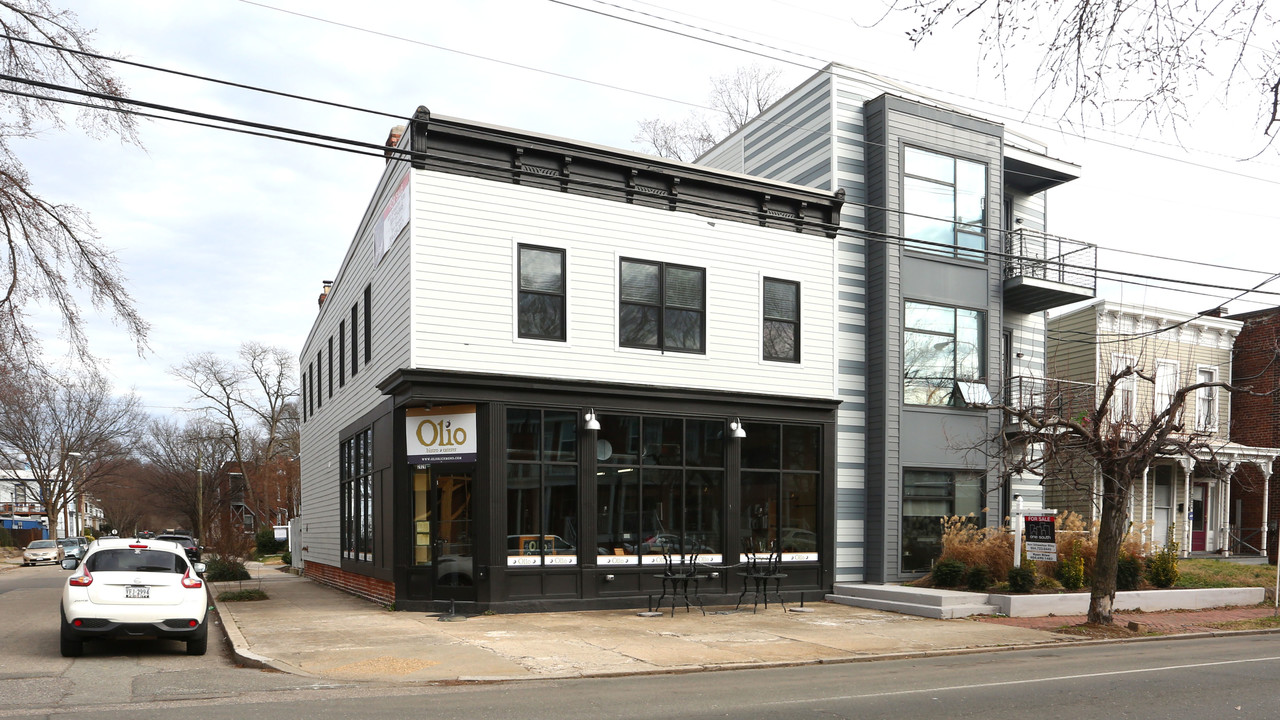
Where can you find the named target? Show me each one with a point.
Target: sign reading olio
(445, 434)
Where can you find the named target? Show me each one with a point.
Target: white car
(134, 588)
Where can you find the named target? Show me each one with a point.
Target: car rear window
(183, 541)
(136, 560)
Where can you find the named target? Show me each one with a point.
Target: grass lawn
(1201, 573)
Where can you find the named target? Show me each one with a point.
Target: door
(444, 530)
(1199, 513)
(1162, 508)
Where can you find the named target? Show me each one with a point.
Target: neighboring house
(1255, 505)
(20, 506)
(1188, 499)
(944, 272)
(544, 365)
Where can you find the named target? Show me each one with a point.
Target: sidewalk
(309, 629)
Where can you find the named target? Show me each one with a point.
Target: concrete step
(923, 602)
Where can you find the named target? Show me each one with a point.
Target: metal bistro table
(677, 578)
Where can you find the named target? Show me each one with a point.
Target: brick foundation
(379, 591)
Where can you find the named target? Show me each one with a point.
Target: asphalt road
(1222, 678)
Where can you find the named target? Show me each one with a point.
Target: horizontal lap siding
(389, 281)
(465, 288)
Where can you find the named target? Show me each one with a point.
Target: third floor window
(944, 205)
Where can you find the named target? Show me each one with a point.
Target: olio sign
(444, 434)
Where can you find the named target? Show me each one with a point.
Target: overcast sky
(226, 237)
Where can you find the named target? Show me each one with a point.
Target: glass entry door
(443, 529)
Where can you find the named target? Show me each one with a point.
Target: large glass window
(945, 204)
(929, 496)
(659, 488)
(663, 306)
(781, 479)
(942, 346)
(781, 320)
(356, 494)
(542, 487)
(541, 301)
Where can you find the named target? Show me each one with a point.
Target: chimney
(393, 139)
(1220, 311)
(324, 293)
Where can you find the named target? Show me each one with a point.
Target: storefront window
(542, 487)
(356, 493)
(927, 498)
(781, 477)
(659, 489)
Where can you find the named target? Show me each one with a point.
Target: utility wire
(375, 149)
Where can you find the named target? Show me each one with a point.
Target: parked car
(134, 588)
(187, 542)
(38, 551)
(72, 547)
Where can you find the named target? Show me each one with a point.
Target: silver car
(72, 547)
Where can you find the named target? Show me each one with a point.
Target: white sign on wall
(445, 434)
(394, 217)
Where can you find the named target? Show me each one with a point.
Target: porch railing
(1246, 541)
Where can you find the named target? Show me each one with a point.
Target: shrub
(286, 557)
(224, 570)
(979, 578)
(1128, 572)
(6, 539)
(948, 573)
(1071, 568)
(266, 541)
(964, 541)
(1022, 579)
(1162, 566)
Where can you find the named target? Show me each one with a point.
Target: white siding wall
(389, 281)
(464, 280)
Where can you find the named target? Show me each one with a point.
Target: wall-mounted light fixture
(735, 429)
(589, 420)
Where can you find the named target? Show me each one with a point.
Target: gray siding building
(944, 274)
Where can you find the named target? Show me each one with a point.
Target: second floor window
(541, 302)
(942, 348)
(663, 307)
(944, 204)
(1207, 401)
(781, 320)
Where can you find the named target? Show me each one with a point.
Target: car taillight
(84, 579)
(191, 582)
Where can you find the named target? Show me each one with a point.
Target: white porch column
(1188, 464)
(1224, 511)
(1266, 501)
(1142, 521)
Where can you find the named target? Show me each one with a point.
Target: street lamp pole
(79, 494)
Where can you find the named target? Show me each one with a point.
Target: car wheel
(199, 643)
(71, 646)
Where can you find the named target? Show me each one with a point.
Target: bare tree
(735, 98)
(71, 434)
(186, 469)
(51, 249)
(248, 403)
(1126, 59)
(1074, 426)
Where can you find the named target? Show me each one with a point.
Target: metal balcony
(1044, 271)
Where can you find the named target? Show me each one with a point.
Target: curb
(240, 647)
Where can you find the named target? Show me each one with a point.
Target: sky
(226, 237)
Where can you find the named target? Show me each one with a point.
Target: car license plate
(137, 591)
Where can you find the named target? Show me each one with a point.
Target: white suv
(128, 587)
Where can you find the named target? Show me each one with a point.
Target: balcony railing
(1048, 397)
(1044, 271)
(21, 509)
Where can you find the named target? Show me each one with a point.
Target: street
(1228, 677)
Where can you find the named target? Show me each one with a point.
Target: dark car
(187, 542)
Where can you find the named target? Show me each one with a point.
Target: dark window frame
(954, 476)
(541, 461)
(330, 367)
(793, 322)
(663, 307)
(356, 502)
(342, 353)
(562, 295)
(952, 339)
(355, 339)
(368, 324)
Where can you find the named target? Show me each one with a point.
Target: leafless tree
(1119, 59)
(72, 434)
(51, 249)
(186, 466)
(248, 403)
(1082, 436)
(125, 500)
(734, 99)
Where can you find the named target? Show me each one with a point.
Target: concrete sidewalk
(310, 629)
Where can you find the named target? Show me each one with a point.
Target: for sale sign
(1041, 543)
